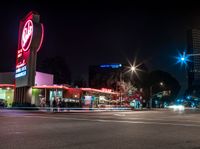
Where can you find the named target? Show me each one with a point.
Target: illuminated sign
(21, 64)
(111, 65)
(21, 74)
(21, 69)
(31, 33)
(106, 90)
(27, 35)
(26, 39)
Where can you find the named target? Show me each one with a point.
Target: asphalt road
(162, 129)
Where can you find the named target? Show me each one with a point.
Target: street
(156, 129)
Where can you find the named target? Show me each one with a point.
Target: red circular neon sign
(27, 35)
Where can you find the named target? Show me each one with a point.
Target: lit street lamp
(184, 58)
(161, 83)
(133, 68)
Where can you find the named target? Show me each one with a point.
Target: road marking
(162, 119)
(117, 121)
(119, 114)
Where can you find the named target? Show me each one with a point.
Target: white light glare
(133, 68)
(177, 107)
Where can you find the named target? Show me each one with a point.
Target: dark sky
(87, 34)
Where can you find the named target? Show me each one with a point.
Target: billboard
(31, 33)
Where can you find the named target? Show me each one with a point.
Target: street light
(161, 83)
(133, 68)
(184, 58)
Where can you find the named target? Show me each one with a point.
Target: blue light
(111, 65)
(183, 58)
(21, 74)
(193, 105)
(21, 69)
(188, 97)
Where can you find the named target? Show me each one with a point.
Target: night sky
(87, 34)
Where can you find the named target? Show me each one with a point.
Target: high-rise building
(105, 75)
(194, 64)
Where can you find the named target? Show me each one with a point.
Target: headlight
(177, 107)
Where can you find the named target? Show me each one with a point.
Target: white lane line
(116, 121)
(139, 112)
(165, 119)
(162, 119)
(119, 114)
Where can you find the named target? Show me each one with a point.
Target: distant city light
(188, 97)
(161, 83)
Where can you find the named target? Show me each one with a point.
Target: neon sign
(31, 33)
(21, 61)
(21, 69)
(27, 35)
(21, 74)
(26, 39)
(111, 65)
(21, 64)
(106, 90)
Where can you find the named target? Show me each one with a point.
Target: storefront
(72, 97)
(43, 96)
(7, 94)
(98, 98)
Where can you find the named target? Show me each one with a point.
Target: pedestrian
(59, 104)
(54, 105)
(42, 102)
(62, 105)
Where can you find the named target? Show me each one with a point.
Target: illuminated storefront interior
(73, 97)
(7, 94)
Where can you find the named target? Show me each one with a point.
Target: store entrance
(55, 94)
(6, 96)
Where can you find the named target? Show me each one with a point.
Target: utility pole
(150, 101)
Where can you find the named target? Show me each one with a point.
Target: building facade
(193, 46)
(105, 75)
(194, 64)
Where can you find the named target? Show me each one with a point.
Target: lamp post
(132, 68)
(151, 93)
(120, 88)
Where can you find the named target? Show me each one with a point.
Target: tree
(58, 67)
(169, 83)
